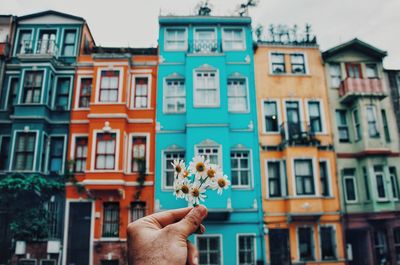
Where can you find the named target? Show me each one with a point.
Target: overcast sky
(134, 23)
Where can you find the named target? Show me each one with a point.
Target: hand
(161, 238)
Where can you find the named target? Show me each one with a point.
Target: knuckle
(192, 220)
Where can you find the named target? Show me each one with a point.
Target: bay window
(175, 96)
(109, 84)
(314, 113)
(32, 89)
(380, 182)
(69, 43)
(372, 123)
(24, 151)
(105, 151)
(140, 100)
(304, 177)
(85, 92)
(81, 145)
(56, 154)
(335, 74)
(138, 161)
(206, 89)
(237, 95)
(342, 126)
(62, 94)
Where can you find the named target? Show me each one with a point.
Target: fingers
(201, 229)
(190, 223)
(162, 219)
(193, 254)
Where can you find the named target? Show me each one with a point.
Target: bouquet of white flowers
(192, 182)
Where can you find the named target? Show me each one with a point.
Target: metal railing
(297, 133)
(43, 47)
(204, 46)
(352, 87)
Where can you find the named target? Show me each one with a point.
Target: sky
(134, 23)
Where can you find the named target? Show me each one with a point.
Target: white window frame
(301, 112)
(269, 60)
(224, 36)
(61, 46)
(220, 243)
(196, 38)
(57, 52)
(279, 115)
(73, 145)
(374, 113)
(71, 86)
(65, 147)
(166, 48)
(35, 152)
(133, 89)
(78, 91)
(315, 177)
(98, 85)
(35, 260)
(283, 180)
(18, 39)
(210, 145)
(354, 179)
(312, 243)
(334, 229)
(238, 247)
(22, 80)
(328, 176)
(165, 86)
(330, 75)
(356, 136)
(306, 70)
(163, 166)
(102, 214)
(130, 142)
(385, 187)
(246, 83)
(218, 88)
(94, 146)
(251, 179)
(321, 112)
(395, 177)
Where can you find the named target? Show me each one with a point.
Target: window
(32, 86)
(105, 151)
(396, 232)
(4, 151)
(335, 74)
(371, 119)
(205, 41)
(298, 63)
(141, 93)
(271, 116)
(233, 39)
(366, 183)
(211, 153)
(278, 63)
(12, 92)
(350, 184)
(206, 87)
(85, 92)
(209, 250)
(306, 248)
(175, 39)
(81, 145)
(53, 210)
(24, 151)
(138, 162)
(47, 42)
(175, 95)
(27, 262)
(342, 126)
(237, 95)
(62, 97)
(168, 169)
(111, 219)
(357, 125)
(328, 245)
(324, 177)
(240, 168)
(138, 210)
(371, 70)
(385, 126)
(314, 113)
(25, 42)
(48, 262)
(109, 86)
(353, 70)
(394, 182)
(56, 154)
(304, 177)
(381, 246)
(274, 179)
(69, 43)
(380, 182)
(246, 249)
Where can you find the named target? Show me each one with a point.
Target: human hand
(161, 238)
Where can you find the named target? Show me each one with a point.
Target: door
(79, 227)
(279, 249)
(293, 119)
(358, 247)
(353, 70)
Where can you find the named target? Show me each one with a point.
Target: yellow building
(300, 193)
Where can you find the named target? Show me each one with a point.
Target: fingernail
(195, 260)
(201, 210)
(202, 229)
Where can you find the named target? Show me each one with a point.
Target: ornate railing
(353, 87)
(43, 47)
(204, 46)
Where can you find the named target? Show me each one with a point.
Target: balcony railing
(43, 47)
(351, 88)
(297, 133)
(204, 46)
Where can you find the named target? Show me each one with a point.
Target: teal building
(206, 106)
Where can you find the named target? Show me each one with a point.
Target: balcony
(204, 47)
(41, 49)
(297, 133)
(350, 88)
(4, 49)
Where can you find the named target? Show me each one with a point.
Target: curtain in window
(237, 95)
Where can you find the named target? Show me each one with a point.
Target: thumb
(190, 223)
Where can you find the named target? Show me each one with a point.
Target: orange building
(111, 152)
(300, 193)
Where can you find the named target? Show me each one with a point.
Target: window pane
(327, 235)
(305, 243)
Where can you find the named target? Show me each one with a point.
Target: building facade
(111, 153)
(367, 147)
(205, 107)
(298, 168)
(35, 110)
(393, 83)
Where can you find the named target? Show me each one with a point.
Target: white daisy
(181, 188)
(196, 193)
(199, 166)
(179, 167)
(212, 172)
(221, 183)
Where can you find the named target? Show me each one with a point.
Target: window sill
(241, 188)
(290, 75)
(112, 239)
(174, 113)
(81, 109)
(271, 133)
(141, 108)
(207, 106)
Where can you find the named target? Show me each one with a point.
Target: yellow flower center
(195, 192)
(178, 168)
(200, 167)
(185, 174)
(185, 189)
(211, 173)
(221, 183)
